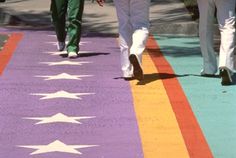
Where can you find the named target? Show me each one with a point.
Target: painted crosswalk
(51, 106)
(68, 95)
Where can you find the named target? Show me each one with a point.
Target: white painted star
(84, 42)
(66, 62)
(59, 118)
(81, 43)
(64, 76)
(65, 52)
(57, 53)
(61, 94)
(56, 146)
(51, 35)
(55, 43)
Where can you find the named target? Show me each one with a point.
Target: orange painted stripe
(191, 131)
(159, 130)
(8, 50)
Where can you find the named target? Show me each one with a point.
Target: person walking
(226, 20)
(133, 18)
(73, 9)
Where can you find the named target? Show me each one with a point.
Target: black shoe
(61, 46)
(226, 77)
(138, 72)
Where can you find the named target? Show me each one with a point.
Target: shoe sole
(226, 78)
(138, 72)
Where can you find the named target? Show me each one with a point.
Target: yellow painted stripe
(159, 130)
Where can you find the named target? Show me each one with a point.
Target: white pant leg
(226, 20)
(207, 10)
(234, 63)
(139, 12)
(125, 34)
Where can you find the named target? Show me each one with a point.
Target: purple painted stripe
(114, 129)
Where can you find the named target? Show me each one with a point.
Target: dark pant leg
(75, 11)
(58, 11)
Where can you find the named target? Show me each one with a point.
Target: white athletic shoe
(128, 75)
(61, 46)
(203, 74)
(72, 55)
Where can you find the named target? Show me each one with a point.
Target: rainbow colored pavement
(53, 107)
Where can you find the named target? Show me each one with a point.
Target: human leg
(139, 13)
(58, 13)
(207, 10)
(226, 20)
(140, 23)
(75, 11)
(125, 35)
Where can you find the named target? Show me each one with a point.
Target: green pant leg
(58, 12)
(75, 11)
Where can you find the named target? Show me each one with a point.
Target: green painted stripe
(213, 105)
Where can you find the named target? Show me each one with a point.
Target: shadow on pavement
(82, 55)
(234, 79)
(148, 78)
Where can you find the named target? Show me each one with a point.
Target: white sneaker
(128, 75)
(61, 46)
(202, 73)
(72, 55)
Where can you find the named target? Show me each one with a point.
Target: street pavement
(170, 19)
(55, 107)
